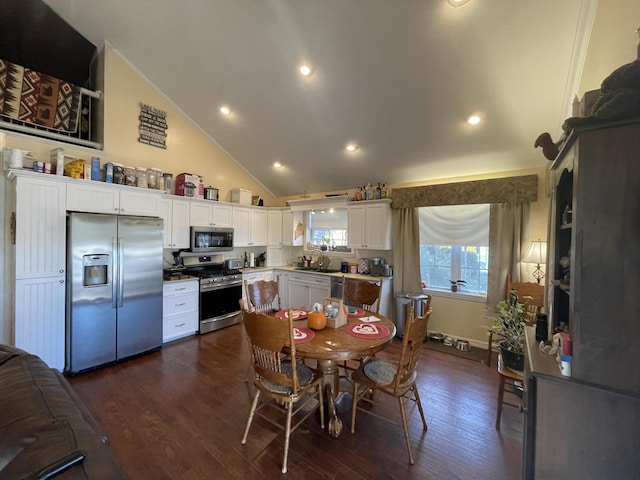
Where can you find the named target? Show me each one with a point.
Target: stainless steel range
(220, 291)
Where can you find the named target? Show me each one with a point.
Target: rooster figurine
(549, 149)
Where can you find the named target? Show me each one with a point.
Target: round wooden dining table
(330, 346)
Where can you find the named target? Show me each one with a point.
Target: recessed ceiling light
(352, 147)
(305, 70)
(473, 119)
(277, 165)
(457, 3)
(225, 110)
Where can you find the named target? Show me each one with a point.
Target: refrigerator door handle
(115, 262)
(120, 271)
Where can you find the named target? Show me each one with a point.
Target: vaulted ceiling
(396, 78)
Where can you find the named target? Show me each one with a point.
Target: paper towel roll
(15, 158)
(252, 260)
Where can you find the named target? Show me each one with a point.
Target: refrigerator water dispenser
(95, 270)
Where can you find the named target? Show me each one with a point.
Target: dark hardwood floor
(179, 413)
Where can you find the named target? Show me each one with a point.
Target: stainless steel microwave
(211, 239)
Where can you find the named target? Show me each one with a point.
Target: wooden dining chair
(279, 379)
(263, 295)
(394, 378)
(362, 293)
(531, 294)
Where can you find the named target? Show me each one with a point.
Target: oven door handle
(209, 288)
(221, 317)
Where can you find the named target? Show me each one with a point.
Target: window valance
(495, 190)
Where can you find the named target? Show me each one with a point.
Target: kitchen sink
(319, 270)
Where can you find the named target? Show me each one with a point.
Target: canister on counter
(130, 176)
(108, 172)
(141, 177)
(168, 182)
(118, 174)
(152, 177)
(95, 168)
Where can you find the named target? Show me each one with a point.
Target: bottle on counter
(246, 260)
(367, 192)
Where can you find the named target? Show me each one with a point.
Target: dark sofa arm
(42, 420)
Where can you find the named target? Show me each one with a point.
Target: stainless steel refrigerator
(114, 288)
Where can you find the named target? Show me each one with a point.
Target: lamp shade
(537, 253)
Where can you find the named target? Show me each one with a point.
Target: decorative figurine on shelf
(565, 273)
(549, 149)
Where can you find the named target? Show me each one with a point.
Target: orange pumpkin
(317, 320)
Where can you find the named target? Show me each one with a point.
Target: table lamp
(537, 254)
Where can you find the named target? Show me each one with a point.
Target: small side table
(508, 379)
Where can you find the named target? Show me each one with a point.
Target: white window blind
(455, 225)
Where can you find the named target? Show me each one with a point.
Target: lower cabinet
(40, 325)
(306, 289)
(574, 429)
(180, 309)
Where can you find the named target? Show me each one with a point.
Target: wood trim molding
(495, 190)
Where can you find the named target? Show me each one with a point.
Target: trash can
(418, 300)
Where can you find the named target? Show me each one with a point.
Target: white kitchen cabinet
(207, 213)
(39, 326)
(40, 228)
(93, 197)
(274, 228)
(369, 224)
(306, 289)
(37, 291)
(249, 226)
(179, 309)
(175, 213)
(292, 228)
(283, 287)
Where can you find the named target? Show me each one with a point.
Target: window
(454, 245)
(327, 227)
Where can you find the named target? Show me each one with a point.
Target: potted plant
(455, 284)
(510, 326)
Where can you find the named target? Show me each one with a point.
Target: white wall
(612, 43)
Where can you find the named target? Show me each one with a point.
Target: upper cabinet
(175, 213)
(250, 226)
(93, 197)
(370, 224)
(206, 213)
(40, 228)
(274, 227)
